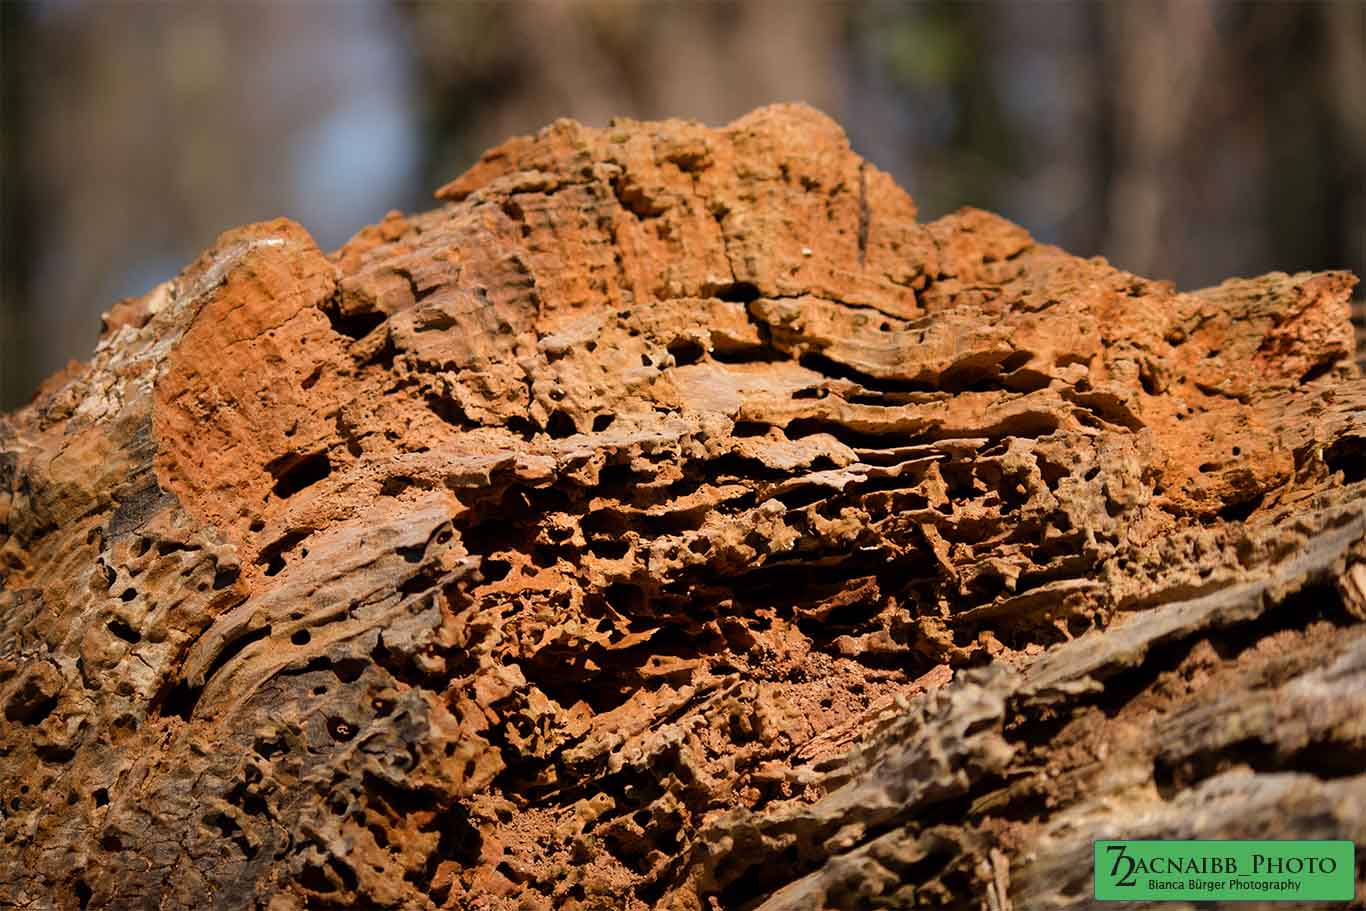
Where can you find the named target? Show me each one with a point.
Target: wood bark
(671, 520)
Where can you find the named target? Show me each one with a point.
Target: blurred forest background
(1182, 139)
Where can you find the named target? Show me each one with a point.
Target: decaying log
(670, 520)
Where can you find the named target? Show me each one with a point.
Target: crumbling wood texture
(670, 520)
(1359, 321)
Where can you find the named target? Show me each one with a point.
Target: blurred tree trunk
(1347, 43)
(1161, 49)
(14, 254)
(495, 70)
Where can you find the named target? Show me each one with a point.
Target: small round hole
(340, 729)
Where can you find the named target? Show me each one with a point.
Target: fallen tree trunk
(672, 521)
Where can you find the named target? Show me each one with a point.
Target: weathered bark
(670, 520)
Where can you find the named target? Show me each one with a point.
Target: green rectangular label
(1291, 871)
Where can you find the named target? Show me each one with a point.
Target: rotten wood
(671, 520)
